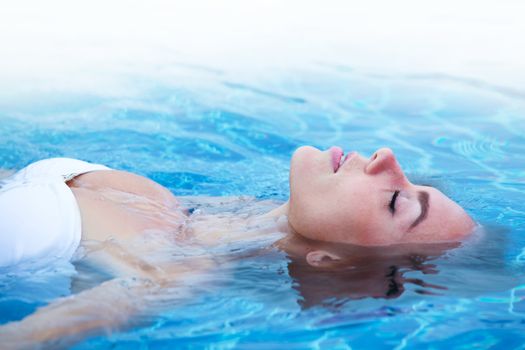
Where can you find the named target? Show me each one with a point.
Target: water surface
(218, 134)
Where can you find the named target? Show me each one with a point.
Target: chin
(305, 160)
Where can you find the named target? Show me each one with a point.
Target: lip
(336, 153)
(349, 155)
(347, 159)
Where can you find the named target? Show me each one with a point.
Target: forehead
(445, 220)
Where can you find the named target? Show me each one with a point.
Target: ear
(321, 258)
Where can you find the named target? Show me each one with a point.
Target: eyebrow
(423, 202)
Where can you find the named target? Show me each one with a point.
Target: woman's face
(367, 201)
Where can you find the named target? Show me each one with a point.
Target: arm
(132, 299)
(105, 308)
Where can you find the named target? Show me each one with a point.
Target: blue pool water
(217, 135)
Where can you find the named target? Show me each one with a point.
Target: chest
(122, 205)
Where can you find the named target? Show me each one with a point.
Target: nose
(384, 160)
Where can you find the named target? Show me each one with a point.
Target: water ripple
(484, 149)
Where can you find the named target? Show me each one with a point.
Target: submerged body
(114, 214)
(125, 220)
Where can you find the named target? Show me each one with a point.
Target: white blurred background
(64, 45)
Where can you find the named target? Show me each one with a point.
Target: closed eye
(392, 205)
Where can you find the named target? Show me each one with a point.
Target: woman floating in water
(117, 221)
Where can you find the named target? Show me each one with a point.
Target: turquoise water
(217, 135)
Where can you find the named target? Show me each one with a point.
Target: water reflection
(365, 272)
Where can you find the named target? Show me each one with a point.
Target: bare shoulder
(126, 182)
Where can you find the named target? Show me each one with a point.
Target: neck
(281, 210)
(228, 227)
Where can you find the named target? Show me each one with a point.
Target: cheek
(326, 217)
(306, 206)
(323, 208)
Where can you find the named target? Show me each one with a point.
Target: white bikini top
(39, 215)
